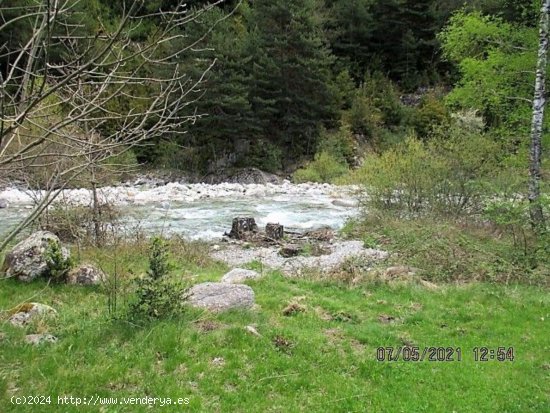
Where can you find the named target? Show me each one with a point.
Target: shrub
(57, 261)
(325, 168)
(374, 106)
(339, 143)
(431, 114)
(157, 295)
(158, 259)
(447, 176)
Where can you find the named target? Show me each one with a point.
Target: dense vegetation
(288, 79)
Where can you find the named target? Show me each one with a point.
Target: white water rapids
(202, 211)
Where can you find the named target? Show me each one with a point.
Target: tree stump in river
(242, 227)
(274, 231)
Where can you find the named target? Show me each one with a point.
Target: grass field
(317, 360)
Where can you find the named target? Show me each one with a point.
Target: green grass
(450, 251)
(326, 362)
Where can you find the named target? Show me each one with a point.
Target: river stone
(3, 203)
(346, 203)
(27, 260)
(220, 296)
(238, 275)
(29, 312)
(37, 339)
(86, 274)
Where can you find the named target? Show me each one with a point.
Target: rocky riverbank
(140, 193)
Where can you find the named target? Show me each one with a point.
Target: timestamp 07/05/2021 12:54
(444, 354)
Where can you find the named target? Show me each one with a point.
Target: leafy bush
(374, 106)
(158, 259)
(157, 295)
(339, 143)
(57, 261)
(325, 168)
(447, 176)
(431, 114)
(512, 217)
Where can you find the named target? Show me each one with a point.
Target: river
(202, 211)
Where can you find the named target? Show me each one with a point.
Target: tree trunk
(242, 226)
(274, 231)
(539, 101)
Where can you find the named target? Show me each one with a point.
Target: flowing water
(205, 211)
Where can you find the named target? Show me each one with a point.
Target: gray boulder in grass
(27, 260)
(220, 296)
(238, 275)
(86, 274)
(28, 312)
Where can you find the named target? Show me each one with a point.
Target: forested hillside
(271, 84)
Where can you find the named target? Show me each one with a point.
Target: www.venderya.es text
(96, 400)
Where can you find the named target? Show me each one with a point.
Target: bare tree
(63, 115)
(539, 102)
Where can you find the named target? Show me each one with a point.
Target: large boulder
(239, 275)
(220, 296)
(86, 274)
(27, 260)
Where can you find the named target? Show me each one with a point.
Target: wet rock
(220, 296)
(28, 312)
(346, 203)
(86, 274)
(37, 339)
(27, 260)
(238, 275)
(254, 176)
(3, 203)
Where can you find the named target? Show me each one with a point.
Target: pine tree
(291, 92)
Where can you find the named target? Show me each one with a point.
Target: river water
(200, 211)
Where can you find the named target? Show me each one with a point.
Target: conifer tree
(291, 92)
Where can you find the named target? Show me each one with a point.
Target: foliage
(447, 176)
(291, 75)
(324, 168)
(158, 259)
(396, 37)
(496, 60)
(338, 143)
(57, 261)
(448, 250)
(430, 114)
(157, 295)
(512, 217)
(264, 155)
(157, 299)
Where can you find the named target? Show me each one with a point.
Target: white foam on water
(202, 211)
